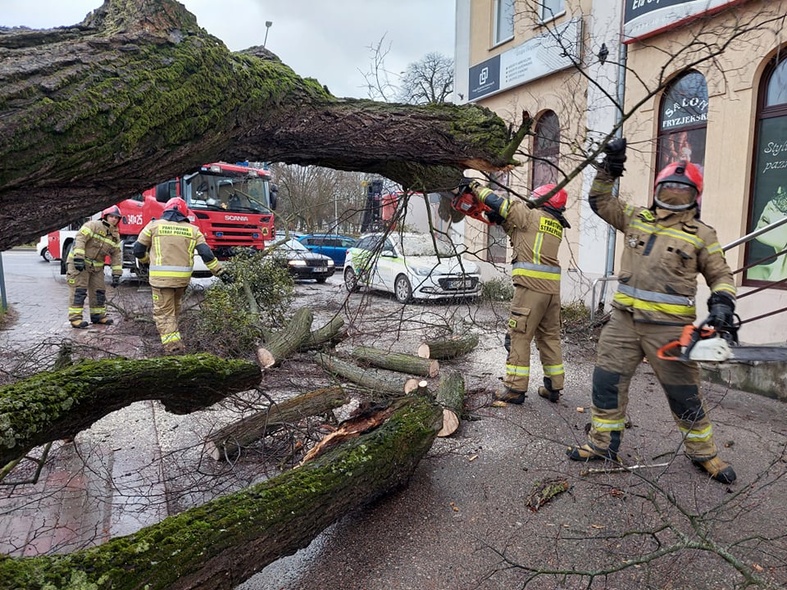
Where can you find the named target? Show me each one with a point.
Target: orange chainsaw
(456, 206)
(705, 343)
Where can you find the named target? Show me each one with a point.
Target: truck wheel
(46, 255)
(64, 259)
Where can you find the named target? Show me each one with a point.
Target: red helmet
(113, 210)
(556, 201)
(177, 204)
(679, 173)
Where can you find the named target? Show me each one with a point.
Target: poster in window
(683, 122)
(769, 202)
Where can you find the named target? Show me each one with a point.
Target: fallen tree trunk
(448, 348)
(396, 361)
(376, 380)
(450, 395)
(220, 544)
(287, 340)
(87, 111)
(329, 335)
(58, 404)
(229, 441)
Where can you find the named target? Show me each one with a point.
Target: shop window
(768, 202)
(546, 149)
(551, 8)
(683, 121)
(503, 21)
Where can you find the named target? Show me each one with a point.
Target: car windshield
(424, 245)
(293, 244)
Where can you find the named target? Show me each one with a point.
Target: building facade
(697, 80)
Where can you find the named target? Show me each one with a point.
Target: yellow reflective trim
(668, 231)
(536, 274)
(170, 273)
(517, 371)
(670, 308)
(554, 370)
(603, 425)
(699, 435)
(725, 287)
(537, 245)
(171, 337)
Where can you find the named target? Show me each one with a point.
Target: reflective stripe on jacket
(661, 258)
(171, 246)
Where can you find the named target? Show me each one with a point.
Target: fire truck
(232, 204)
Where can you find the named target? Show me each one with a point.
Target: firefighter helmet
(177, 204)
(678, 186)
(556, 201)
(113, 210)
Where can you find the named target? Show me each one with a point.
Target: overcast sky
(324, 39)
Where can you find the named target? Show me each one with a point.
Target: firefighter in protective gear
(665, 247)
(95, 240)
(167, 245)
(535, 235)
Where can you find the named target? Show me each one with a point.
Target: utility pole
(268, 24)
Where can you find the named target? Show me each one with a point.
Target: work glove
(468, 185)
(614, 157)
(225, 276)
(79, 264)
(115, 280)
(721, 308)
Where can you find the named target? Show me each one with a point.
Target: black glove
(614, 158)
(79, 264)
(115, 280)
(722, 312)
(226, 277)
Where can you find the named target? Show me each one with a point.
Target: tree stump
(448, 348)
(396, 361)
(230, 440)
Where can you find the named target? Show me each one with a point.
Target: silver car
(411, 266)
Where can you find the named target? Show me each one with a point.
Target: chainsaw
(704, 343)
(456, 206)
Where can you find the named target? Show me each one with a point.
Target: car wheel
(322, 280)
(46, 255)
(402, 289)
(350, 280)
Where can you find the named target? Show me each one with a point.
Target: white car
(411, 266)
(42, 248)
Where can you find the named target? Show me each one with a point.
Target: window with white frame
(503, 20)
(551, 8)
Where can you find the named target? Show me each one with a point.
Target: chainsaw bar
(757, 353)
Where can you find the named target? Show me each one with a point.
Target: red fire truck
(232, 204)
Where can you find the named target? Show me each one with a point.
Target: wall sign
(540, 56)
(643, 18)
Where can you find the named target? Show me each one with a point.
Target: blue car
(333, 245)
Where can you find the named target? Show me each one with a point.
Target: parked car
(301, 263)
(333, 245)
(407, 265)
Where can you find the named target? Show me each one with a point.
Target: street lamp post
(268, 24)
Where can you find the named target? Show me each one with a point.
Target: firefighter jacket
(170, 252)
(662, 257)
(96, 240)
(535, 237)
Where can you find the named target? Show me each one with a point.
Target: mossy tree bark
(58, 404)
(222, 543)
(138, 93)
(448, 348)
(396, 361)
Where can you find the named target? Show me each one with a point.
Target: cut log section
(376, 380)
(54, 405)
(396, 361)
(229, 441)
(287, 340)
(448, 348)
(329, 335)
(450, 395)
(222, 543)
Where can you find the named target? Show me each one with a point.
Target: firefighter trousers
(87, 284)
(622, 346)
(533, 315)
(166, 308)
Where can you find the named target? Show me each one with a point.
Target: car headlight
(421, 271)
(330, 262)
(296, 262)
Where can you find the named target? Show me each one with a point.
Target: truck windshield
(227, 193)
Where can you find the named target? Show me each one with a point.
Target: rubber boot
(104, 321)
(589, 453)
(718, 469)
(79, 324)
(547, 392)
(509, 396)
